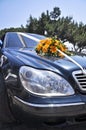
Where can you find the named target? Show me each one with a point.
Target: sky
(14, 13)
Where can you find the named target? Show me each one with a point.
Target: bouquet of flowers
(50, 47)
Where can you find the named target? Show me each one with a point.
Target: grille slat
(80, 79)
(83, 79)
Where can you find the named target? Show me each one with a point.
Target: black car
(35, 87)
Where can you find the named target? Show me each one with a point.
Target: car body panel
(22, 101)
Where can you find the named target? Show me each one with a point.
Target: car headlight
(44, 83)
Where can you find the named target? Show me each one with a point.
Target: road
(41, 127)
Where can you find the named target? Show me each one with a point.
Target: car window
(12, 40)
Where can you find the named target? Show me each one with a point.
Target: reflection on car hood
(51, 63)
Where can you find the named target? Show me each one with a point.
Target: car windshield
(22, 40)
(31, 40)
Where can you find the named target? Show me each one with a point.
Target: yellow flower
(57, 42)
(48, 41)
(53, 49)
(45, 48)
(39, 46)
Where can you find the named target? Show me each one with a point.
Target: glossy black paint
(17, 57)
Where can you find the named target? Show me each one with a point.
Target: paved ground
(41, 127)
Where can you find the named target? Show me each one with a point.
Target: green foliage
(55, 13)
(3, 31)
(32, 25)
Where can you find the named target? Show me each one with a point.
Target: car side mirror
(1, 44)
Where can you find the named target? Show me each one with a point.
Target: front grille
(80, 79)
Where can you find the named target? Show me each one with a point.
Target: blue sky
(14, 13)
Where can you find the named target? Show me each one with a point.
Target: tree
(32, 25)
(55, 13)
(81, 36)
(42, 23)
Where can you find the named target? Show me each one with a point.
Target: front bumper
(56, 110)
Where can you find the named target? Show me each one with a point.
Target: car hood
(60, 65)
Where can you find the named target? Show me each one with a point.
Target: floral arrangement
(50, 47)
